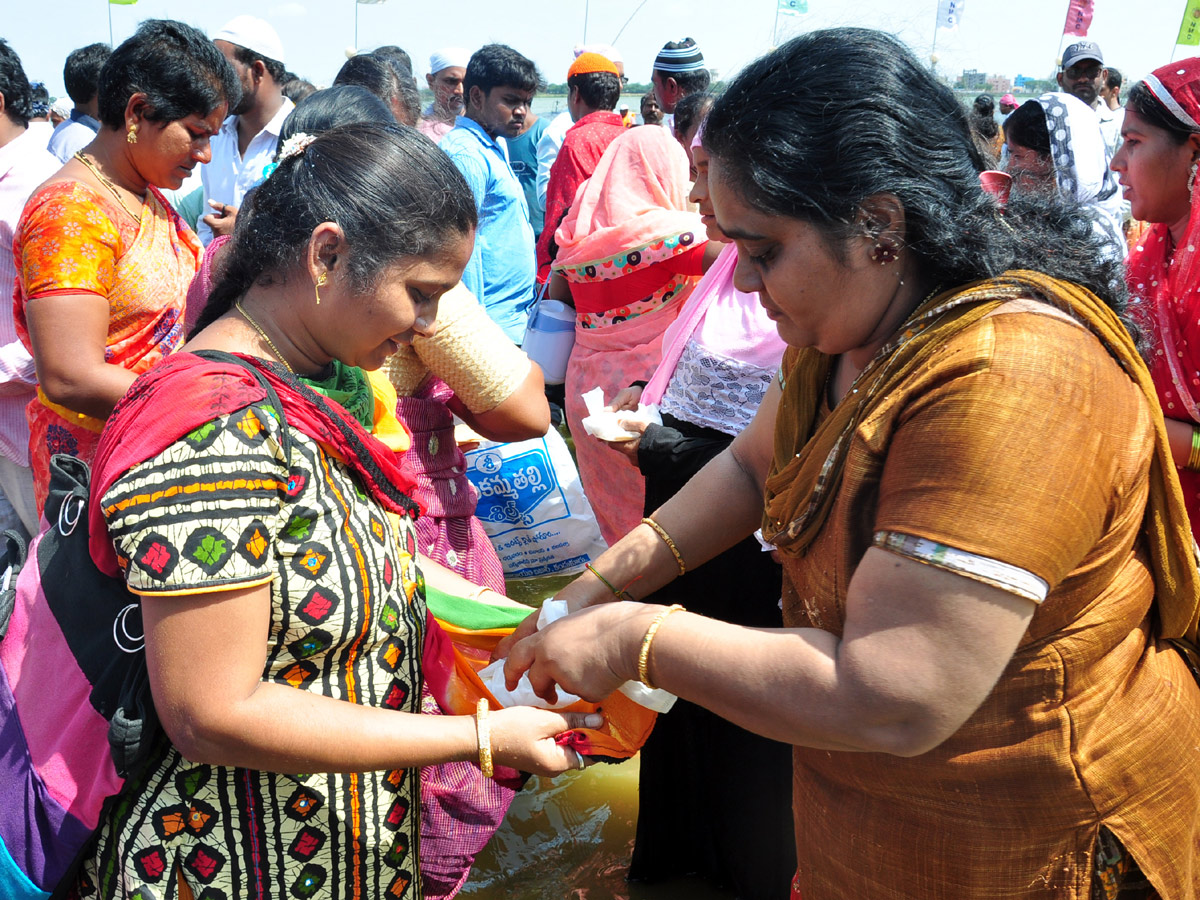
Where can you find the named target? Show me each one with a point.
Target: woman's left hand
(589, 653)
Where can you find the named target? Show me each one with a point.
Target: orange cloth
(586, 63)
(73, 240)
(1023, 438)
(462, 652)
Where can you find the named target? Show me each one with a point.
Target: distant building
(999, 84)
(974, 80)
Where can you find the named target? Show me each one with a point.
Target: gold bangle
(484, 734)
(644, 654)
(662, 533)
(1193, 462)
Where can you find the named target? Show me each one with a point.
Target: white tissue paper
(604, 423)
(655, 699)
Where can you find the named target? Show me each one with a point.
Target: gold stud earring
(321, 280)
(131, 134)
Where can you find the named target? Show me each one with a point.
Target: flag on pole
(1079, 17)
(369, 2)
(121, 2)
(1189, 30)
(798, 7)
(950, 13)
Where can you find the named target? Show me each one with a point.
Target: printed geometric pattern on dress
(347, 621)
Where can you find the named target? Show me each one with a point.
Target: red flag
(1079, 17)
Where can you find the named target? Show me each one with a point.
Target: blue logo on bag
(511, 489)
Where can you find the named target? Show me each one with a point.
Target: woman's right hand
(627, 398)
(522, 738)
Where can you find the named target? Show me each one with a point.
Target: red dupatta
(150, 417)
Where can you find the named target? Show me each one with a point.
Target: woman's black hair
(1026, 127)
(176, 66)
(342, 104)
(396, 57)
(390, 189)
(297, 89)
(1143, 102)
(691, 109)
(380, 77)
(14, 85)
(834, 117)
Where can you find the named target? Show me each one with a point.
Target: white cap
(63, 107)
(448, 58)
(608, 51)
(254, 34)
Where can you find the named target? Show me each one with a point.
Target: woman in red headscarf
(1157, 166)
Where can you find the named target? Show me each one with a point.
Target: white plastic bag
(532, 506)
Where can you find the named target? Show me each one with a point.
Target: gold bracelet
(484, 734)
(644, 654)
(662, 533)
(1193, 462)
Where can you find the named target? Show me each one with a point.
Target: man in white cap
(447, 68)
(247, 140)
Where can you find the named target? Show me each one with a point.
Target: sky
(1007, 37)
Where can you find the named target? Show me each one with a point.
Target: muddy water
(571, 837)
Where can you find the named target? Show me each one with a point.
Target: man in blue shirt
(497, 90)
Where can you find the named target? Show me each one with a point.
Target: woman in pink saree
(630, 253)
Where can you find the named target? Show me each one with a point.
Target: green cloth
(472, 614)
(349, 387)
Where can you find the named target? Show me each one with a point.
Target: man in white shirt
(81, 74)
(1083, 75)
(1110, 97)
(246, 143)
(24, 164)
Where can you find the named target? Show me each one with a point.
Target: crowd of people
(912, 544)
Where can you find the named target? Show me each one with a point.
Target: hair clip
(294, 146)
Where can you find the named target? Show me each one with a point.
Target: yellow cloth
(1033, 441)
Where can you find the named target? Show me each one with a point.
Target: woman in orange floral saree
(103, 262)
(71, 240)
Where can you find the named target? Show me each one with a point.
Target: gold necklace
(262, 334)
(108, 184)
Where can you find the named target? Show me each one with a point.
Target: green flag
(1189, 30)
(797, 7)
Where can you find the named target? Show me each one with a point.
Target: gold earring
(131, 134)
(321, 280)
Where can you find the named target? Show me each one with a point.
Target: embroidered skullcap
(1177, 87)
(448, 58)
(606, 50)
(591, 62)
(253, 33)
(685, 58)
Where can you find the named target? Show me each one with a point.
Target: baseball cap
(254, 34)
(1080, 51)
